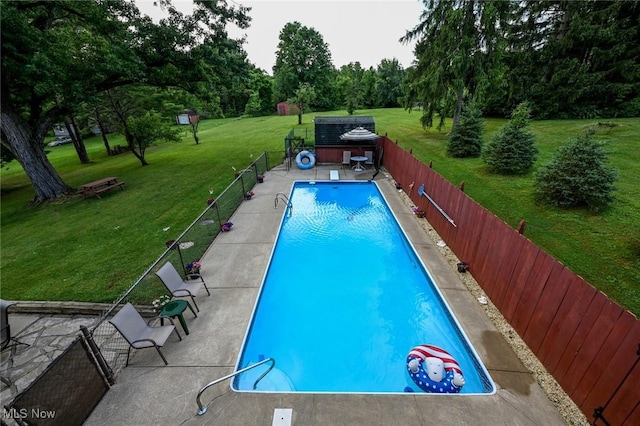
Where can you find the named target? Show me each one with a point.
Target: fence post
(218, 213)
(598, 412)
(242, 183)
(104, 367)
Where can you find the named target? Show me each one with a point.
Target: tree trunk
(28, 148)
(103, 132)
(76, 138)
(131, 143)
(194, 130)
(458, 110)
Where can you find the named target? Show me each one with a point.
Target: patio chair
(138, 333)
(346, 159)
(8, 341)
(176, 285)
(369, 155)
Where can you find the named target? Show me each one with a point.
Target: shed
(286, 108)
(329, 147)
(188, 116)
(329, 129)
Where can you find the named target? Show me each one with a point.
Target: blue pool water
(345, 298)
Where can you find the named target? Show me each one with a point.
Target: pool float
(442, 373)
(305, 160)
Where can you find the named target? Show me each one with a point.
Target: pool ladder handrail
(280, 196)
(203, 409)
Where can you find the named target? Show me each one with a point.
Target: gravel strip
(565, 406)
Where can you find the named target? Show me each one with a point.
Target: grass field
(92, 250)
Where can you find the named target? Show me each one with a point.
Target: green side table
(176, 308)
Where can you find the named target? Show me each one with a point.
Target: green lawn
(92, 250)
(603, 248)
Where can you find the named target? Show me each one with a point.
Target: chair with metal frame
(8, 341)
(138, 333)
(369, 155)
(176, 285)
(346, 159)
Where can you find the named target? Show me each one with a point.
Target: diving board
(333, 175)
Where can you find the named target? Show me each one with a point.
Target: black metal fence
(188, 247)
(65, 393)
(68, 390)
(298, 140)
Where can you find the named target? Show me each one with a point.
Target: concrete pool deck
(147, 392)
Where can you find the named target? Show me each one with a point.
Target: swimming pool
(345, 298)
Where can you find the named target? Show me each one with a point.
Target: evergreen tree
(571, 59)
(465, 139)
(459, 43)
(512, 149)
(577, 176)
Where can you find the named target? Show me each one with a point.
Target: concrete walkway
(147, 392)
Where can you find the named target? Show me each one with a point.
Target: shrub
(253, 105)
(512, 150)
(577, 176)
(465, 139)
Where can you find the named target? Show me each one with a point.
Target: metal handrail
(283, 197)
(202, 409)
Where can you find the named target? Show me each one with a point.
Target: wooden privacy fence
(589, 343)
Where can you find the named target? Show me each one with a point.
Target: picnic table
(99, 186)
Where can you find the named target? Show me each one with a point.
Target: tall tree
(457, 46)
(261, 93)
(58, 54)
(233, 81)
(76, 137)
(101, 119)
(369, 94)
(350, 84)
(390, 77)
(303, 57)
(591, 62)
(572, 59)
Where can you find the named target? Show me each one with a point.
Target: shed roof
(357, 121)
